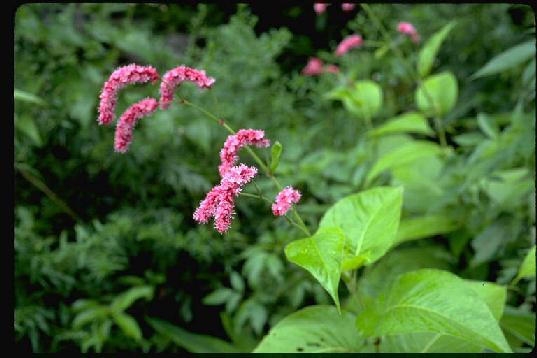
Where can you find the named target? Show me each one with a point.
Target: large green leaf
(195, 343)
(369, 221)
(410, 122)
(424, 226)
(430, 49)
(403, 155)
(322, 255)
(434, 301)
(527, 269)
(313, 329)
(507, 59)
(437, 95)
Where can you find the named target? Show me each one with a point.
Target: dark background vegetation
(91, 224)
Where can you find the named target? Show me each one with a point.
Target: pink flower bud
(347, 6)
(121, 77)
(228, 154)
(285, 198)
(127, 121)
(319, 8)
(314, 67)
(348, 43)
(175, 76)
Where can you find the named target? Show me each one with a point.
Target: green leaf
(126, 299)
(428, 53)
(437, 95)
(89, 315)
(433, 301)
(218, 297)
(507, 59)
(322, 255)
(364, 99)
(128, 325)
(194, 343)
(28, 97)
(411, 122)
(492, 294)
(313, 329)
(403, 155)
(424, 226)
(369, 221)
(487, 125)
(26, 125)
(276, 151)
(237, 282)
(519, 324)
(527, 269)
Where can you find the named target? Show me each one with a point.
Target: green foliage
(437, 95)
(429, 50)
(410, 122)
(508, 59)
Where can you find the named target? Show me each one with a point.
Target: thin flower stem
(258, 160)
(410, 68)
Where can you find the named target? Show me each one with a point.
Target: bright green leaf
(411, 122)
(89, 315)
(437, 95)
(507, 59)
(403, 155)
(433, 301)
(128, 325)
(322, 255)
(527, 269)
(313, 329)
(428, 53)
(28, 97)
(364, 99)
(276, 152)
(126, 299)
(369, 221)
(424, 226)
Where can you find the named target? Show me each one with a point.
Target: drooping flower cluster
(316, 66)
(127, 121)
(348, 43)
(228, 154)
(219, 202)
(121, 77)
(285, 198)
(175, 76)
(408, 29)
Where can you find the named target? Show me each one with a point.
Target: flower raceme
(228, 154)
(285, 198)
(219, 202)
(175, 76)
(121, 77)
(348, 43)
(125, 125)
(408, 29)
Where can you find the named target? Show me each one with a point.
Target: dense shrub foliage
(415, 162)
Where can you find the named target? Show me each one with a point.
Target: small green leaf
(527, 269)
(428, 53)
(276, 151)
(218, 297)
(367, 98)
(433, 301)
(126, 299)
(28, 97)
(89, 315)
(194, 343)
(487, 125)
(411, 122)
(369, 221)
(236, 282)
(314, 329)
(507, 59)
(424, 226)
(322, 255)
(128, 325)
(403, 155)
(437, 95)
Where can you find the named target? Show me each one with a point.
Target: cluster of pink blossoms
(319, 7)
(315, 66)
(408, 29)
(228, 154)
(285, 198)
(348, 43)
(131, 74)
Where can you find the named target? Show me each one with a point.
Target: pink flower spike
(121, 77)
(234, 142)
(319, 7)
(331, 69)
(175, 76)
(285, 198)
(408, 29)
(346, 6)
(348, 43)
(314, 67)
(219, 202)
(125, 125)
